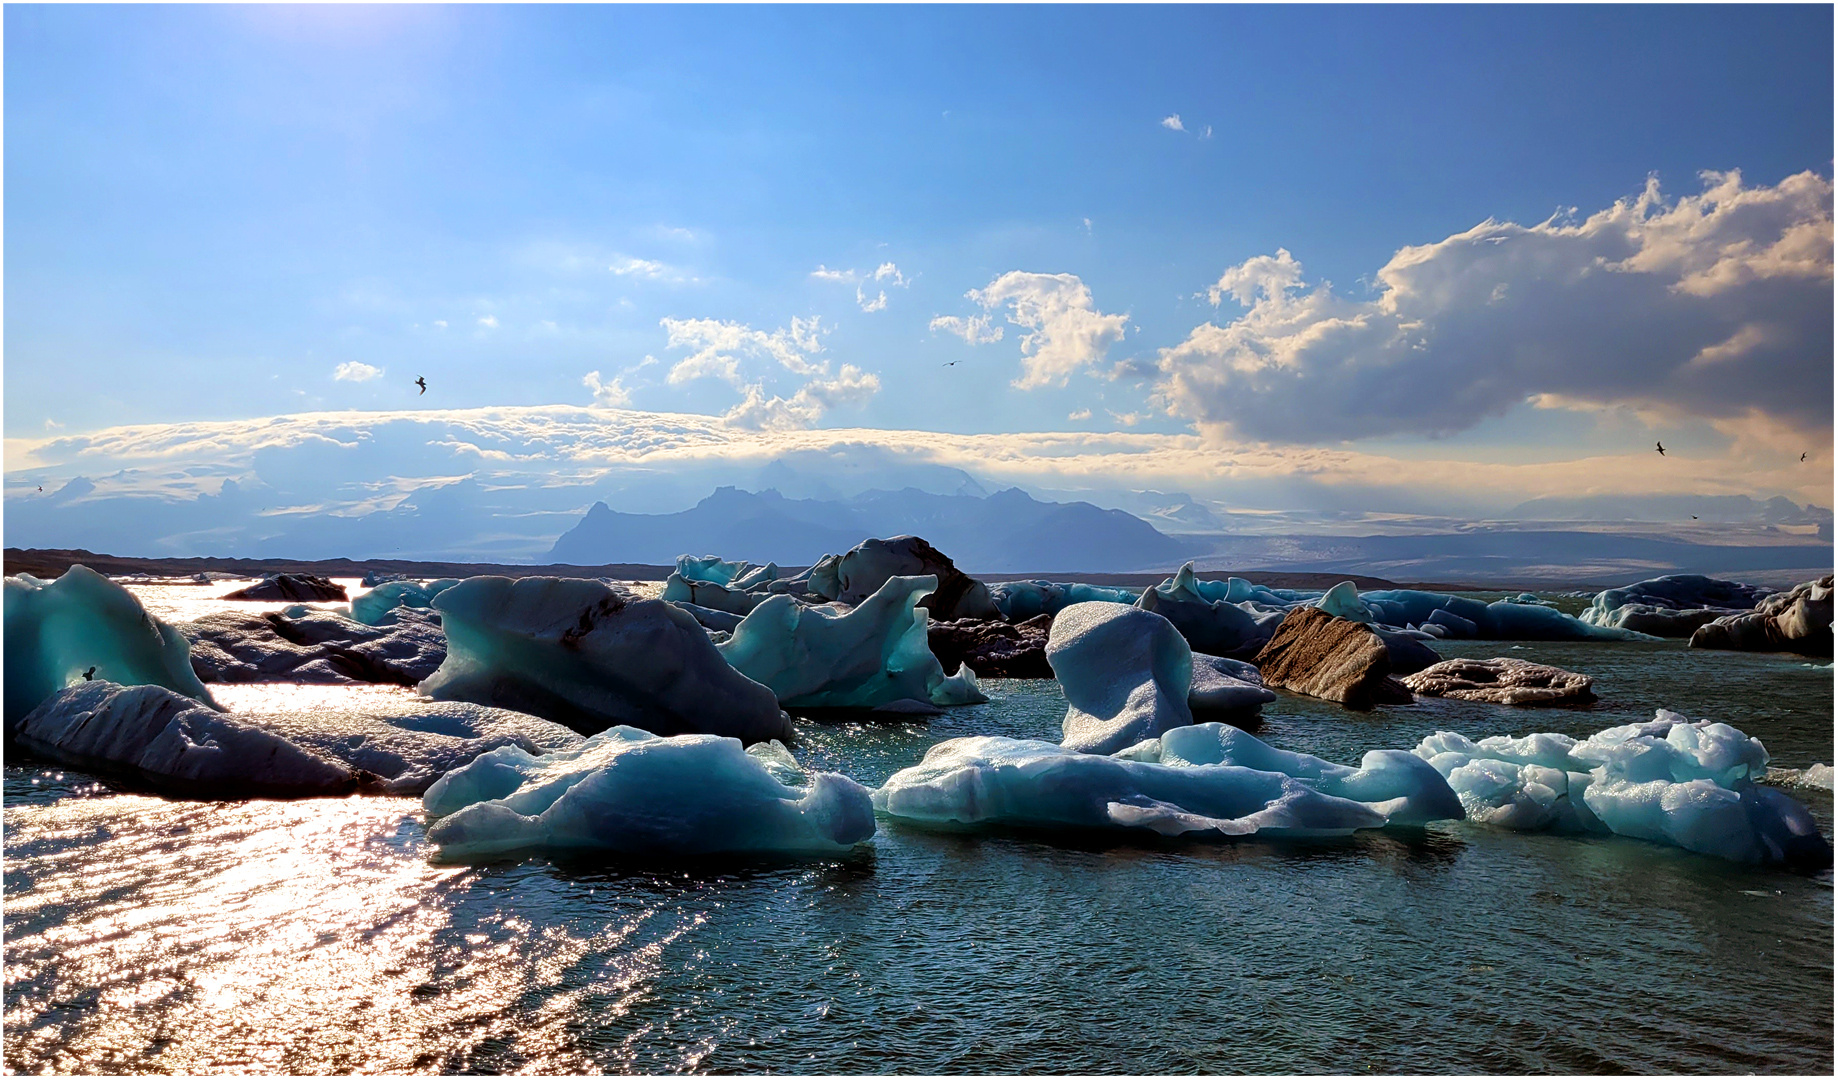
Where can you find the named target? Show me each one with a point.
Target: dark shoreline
(52, 562)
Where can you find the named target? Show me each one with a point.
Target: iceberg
(631, 792)
(868, 656)
(580, 653)
(1125, 672)
(1671, 781)
(1222, 685)
(312, 645)
(83, 622)
(864, 568)
(374, 607)
(1210, 620)
(710, 595)
(1206, 779)
(1797, 621)
(1671, 606)
(1019, 601)
(175, 745)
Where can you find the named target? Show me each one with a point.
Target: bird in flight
(954, 363)
(1661, 447)
(41, 487)
(90, 674)
(1802, 458)
(1694, 517)
(423, 383)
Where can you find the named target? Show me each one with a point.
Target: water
(146, 935)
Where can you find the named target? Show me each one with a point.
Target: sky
(1435, 260)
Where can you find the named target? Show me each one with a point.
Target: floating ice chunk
(711, 595)
(579, 653)
(1798, 621)
(290, 587)
(829, 657)
(1022, 600)
(1224, 685)
(1453, 624)
(989, 780)
(1671, 606)
(173, 743)
(1343, 600)
(1813, 776)
(301, 644)
(1208, 619)
(374, 607)
(709, 568)
(630, 792)
(56, 631)
(1125, 672)
(1672, 781)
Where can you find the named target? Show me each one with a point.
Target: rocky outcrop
(1332, 658)
(315, 647)
(1503, 681)
(1797, 621)
(294, 587)
(993, 649)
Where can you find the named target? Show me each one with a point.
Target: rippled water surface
(146, 935)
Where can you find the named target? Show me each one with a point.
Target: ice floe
(630, 792)
(1209, 778)
(1670, 780)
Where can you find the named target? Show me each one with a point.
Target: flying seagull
(90, 674)
(1661, 447)
(41, 487)
(1802, 458)
(954, 363)
(423, 383)
(1694, 517)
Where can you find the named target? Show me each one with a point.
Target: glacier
(827, 656)
(57, 630)
(1125, 673)
(1670, 780)
(1190, 781)
(631, 792)
(581, 653)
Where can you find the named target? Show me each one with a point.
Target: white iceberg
(631, 792)
(1125, 673)
(1209, 778)
(1221, 684)
(1022, 600)
(84, 623)
(374, 607)
(1671, 781)
(868, 656)
(580, 653)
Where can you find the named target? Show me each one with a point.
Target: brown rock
(1503, 681)
(1328, 657)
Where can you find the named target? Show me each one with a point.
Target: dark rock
(1328, 657)
(1796, 621)
(296, 587)
(993, 649)
(1408, 654)
(868, 565)
(1503, 681)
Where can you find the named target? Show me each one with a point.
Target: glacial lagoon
(153, 935)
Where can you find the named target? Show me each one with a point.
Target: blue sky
(212, 211)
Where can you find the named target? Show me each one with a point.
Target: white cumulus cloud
(721, 350)
(611, 393)
(1173, 122)
(1065, 330)
(356, 371)
(1714, 305)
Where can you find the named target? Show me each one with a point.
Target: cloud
(1079, 414)
(976, 329)
(886, 272)
(52, 425)
(356, 371)
(722, 347)
(628, 266)
(1065, 330)
(489, 322)
(611, 394)
(1715, 306)
(1173, 122)
(442, 323)
(851, 386)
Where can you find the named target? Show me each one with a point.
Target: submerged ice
(631, 792)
